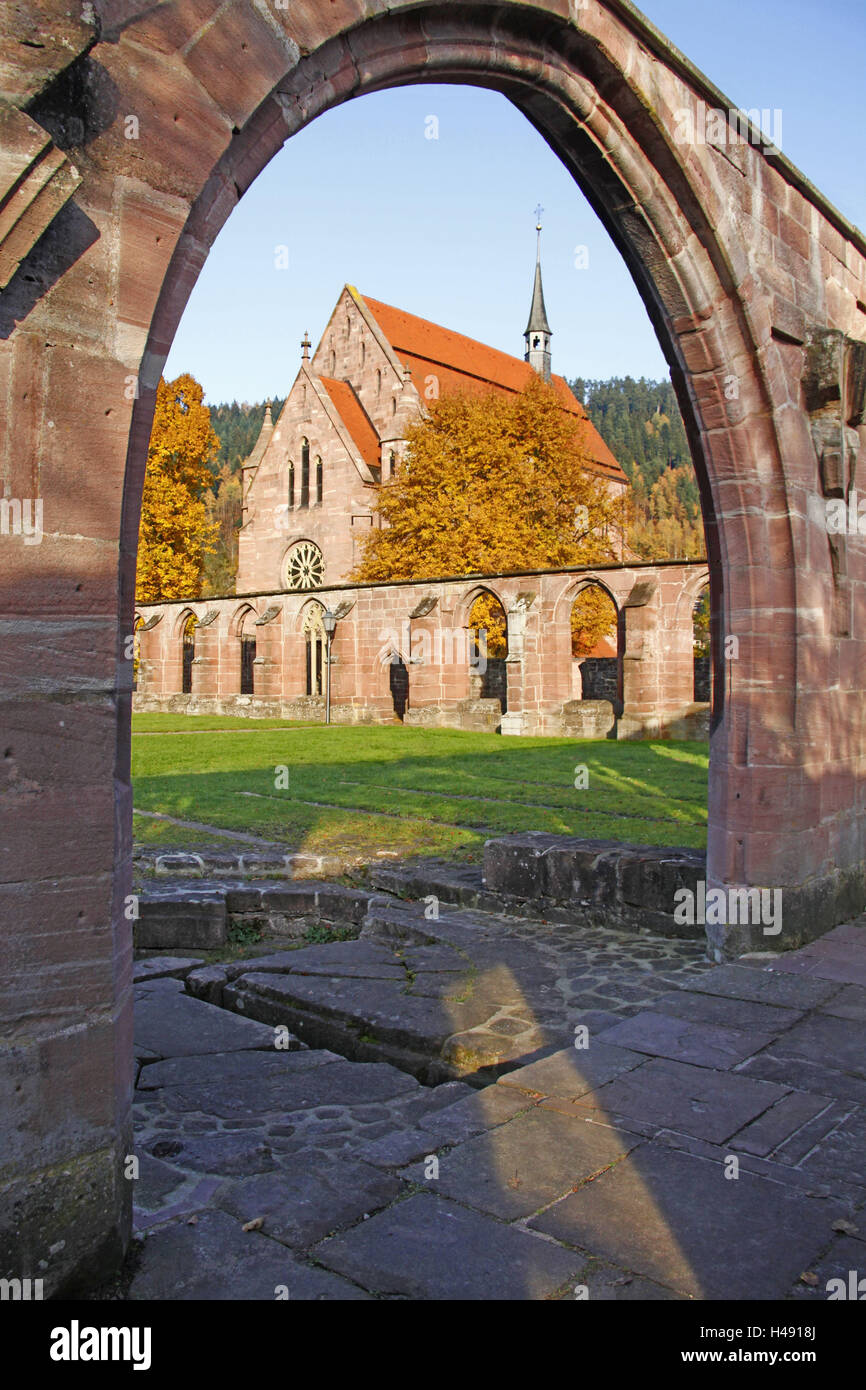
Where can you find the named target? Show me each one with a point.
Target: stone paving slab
(676, 1219)
(675, 1095)
(340, 1083)
(253, 1069)
(217, 1153)
(173, 1024)
(429, 1248)
(840, 1273)
(743, 1015)
(842, 1154)
(382, 1009)
(807, 1074)
(840, 1042)
(608, 1283)
(215, 1259)
(304, 1205)
(680, 1039)
(475, 1114)
(764, 986)
(770, 1130)
(573, 1071)
(517, 1168)
(850, 1002)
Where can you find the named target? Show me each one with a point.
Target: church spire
(538, 332)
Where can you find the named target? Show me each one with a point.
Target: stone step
(195, 916)
(459, 884)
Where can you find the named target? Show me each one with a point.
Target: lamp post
(329, 623)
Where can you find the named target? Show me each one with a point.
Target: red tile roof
(355, 418)
(462, 364)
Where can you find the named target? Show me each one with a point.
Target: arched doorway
(488, 636)
(190, 624)
(595, 647)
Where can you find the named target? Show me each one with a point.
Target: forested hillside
(641, 424)
(237, 428)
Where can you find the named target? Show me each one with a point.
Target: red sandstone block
(149, 230)
(54, 743)
(82, 426)
(239, 58)
(37, 839)
(79, 1114)
(795, 235)
(171, 27)
(182, 133)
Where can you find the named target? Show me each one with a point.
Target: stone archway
(744, 270)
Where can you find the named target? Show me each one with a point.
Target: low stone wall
(600, 678)
(482, 716)
(589, 719)
(692, 722)
(180, 916)
(594, 882)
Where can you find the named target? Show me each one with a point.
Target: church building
(309, 485)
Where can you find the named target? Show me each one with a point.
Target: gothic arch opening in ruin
(188, 624)
(487, 623)
(595, 632)
(742, 267)
(243, 629)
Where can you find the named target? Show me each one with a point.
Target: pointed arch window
(392, 460)
(316, 644)
(188, 653)
(319, 480)
(305, 472)
(378, 383)
(291, 487)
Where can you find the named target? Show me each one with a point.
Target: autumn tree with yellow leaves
(491, 483)
(176, 533)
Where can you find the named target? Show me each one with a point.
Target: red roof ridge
(461, 360)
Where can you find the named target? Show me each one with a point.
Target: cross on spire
(539, 213)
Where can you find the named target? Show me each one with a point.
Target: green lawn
(411, 791)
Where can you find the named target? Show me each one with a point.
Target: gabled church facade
(310, 483)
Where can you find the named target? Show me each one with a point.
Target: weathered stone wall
(434, 644)
(755, 285)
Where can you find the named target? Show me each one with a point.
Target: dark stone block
(428, 1248)
(197, 923)
(305, 1205)
(662, 1094)
(215, 1260)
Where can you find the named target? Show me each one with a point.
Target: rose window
(305, 568)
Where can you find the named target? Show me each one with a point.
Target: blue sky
(445, 228)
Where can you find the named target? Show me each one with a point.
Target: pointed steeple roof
(538, 314)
